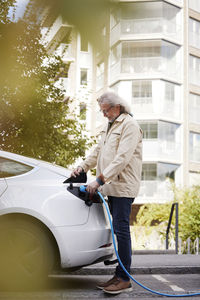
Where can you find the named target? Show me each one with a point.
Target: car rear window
(9, 167)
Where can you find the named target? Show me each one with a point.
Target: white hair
(113, 99)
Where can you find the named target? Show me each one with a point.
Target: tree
(189, 213)
(34, 119)
(5, 5)
(88, 16)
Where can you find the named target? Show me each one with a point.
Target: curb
(141, 270)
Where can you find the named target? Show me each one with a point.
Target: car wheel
(26, 254)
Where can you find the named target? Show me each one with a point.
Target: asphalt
(151, 264)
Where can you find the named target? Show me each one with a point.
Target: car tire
(26, 254)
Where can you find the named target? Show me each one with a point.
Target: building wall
(151, 57)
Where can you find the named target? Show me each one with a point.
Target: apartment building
(151, 58)
(63, 39)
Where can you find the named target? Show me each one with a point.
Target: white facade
(153, 61)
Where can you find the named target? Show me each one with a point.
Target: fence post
(176, 228)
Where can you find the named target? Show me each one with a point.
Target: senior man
(118, 158)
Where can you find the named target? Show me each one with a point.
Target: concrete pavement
(151, 264)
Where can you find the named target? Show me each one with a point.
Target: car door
(3, 186)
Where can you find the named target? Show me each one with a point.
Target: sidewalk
(151, 264)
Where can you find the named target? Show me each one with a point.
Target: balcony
(58, 31)
(158, 27)
(155, 192)
(157, 109)
(145, 66)
(157, 149)
(65, 51)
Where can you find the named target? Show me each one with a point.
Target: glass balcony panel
(161, 149)
(146, 106)
(140, 26)
(158, 191)
(155, 25)
(142, 65)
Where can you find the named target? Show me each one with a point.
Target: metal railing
(174, 205)
(189, 246)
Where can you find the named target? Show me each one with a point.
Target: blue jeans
(120, 208)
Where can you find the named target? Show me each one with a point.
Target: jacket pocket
(113, 140)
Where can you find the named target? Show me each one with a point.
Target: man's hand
(92, 187)
(76, 172)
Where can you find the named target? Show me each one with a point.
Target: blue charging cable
(83, 189)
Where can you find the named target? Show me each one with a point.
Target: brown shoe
(118, 287)
(103, 285)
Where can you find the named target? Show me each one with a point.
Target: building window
(194, 70)
(166, 171)
(83, 109)
(194, 108)
(169, 132)
(195, 5)
(84, 44)
(9, 168)
(169, 92)
(149, 172)
(141, 91)
(84, 77)
(194, 32)
(150, 130)
(194, 147)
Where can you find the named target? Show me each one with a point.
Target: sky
(21, 5)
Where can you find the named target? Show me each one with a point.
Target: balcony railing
(155, 191)
(162, 108)
(57, 32)
(145, 26)
(161, 150)
(146, 66)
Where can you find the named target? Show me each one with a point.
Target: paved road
(75, 287)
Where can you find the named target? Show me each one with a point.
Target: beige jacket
(118, 158)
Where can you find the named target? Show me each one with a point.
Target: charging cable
(83, 189)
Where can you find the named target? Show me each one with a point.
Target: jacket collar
(119, 119)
